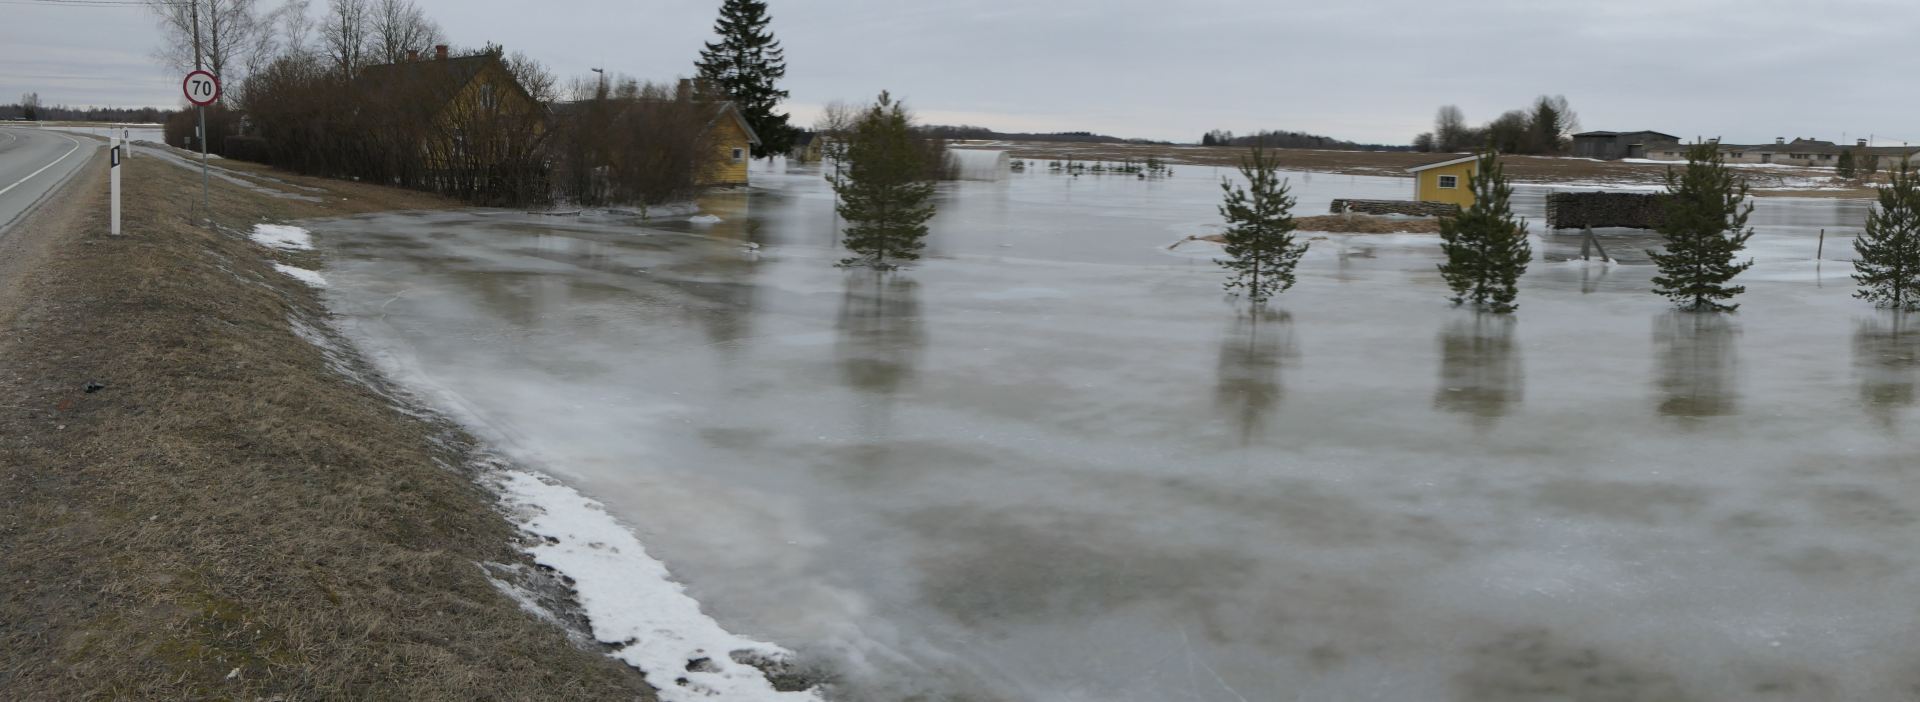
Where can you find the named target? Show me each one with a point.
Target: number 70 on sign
(202, 88)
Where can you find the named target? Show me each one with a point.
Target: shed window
(1449, 182)
(737, 154)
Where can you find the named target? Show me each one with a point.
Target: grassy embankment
(231, 518)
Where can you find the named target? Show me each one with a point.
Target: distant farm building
(1612, 146)
(1445, 182)
(1799, 152)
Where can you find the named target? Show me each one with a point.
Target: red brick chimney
(440, 52)
(413, 54)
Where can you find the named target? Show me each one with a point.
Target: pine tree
(884, 194)
(1845, 167)
(1486, 246)
(745, 64)
(1261, 253)
(1705, 227)
(1888, 269)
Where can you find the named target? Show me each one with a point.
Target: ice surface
(301, 274)
(1051, 463)
(633, 603)
(282, 236)
(704, 219)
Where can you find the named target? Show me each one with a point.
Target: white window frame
(739, 154)
(1447, 182)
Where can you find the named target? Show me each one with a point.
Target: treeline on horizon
(1545, 129)
(30, 109)
(947, 131)
(1284, 139)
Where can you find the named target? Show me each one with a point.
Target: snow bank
(301, 274)
(282, 236)
(705, 219)
(633, 603)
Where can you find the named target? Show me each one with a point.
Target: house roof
(1449, 162)
(723, 110)
(445, 77)
(728, 108)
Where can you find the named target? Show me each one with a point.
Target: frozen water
(1050, 463)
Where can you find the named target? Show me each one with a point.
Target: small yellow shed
(734, 140)
(1445, 181)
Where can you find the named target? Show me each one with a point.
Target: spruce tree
(1846, 167)
(884, 194)
(1888, 269)
(1260, 248)
(745, 65)
(1486, 246)
(1705, 227)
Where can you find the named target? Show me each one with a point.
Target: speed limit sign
(202, 88)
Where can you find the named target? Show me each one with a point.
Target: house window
(738, 154)
(1449, 182)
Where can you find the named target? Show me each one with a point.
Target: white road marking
(43, 169)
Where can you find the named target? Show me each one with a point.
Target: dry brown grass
(228, 518)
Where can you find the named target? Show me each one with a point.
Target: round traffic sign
(201, 87)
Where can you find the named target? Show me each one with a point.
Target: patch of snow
(705, 219)
(632, 601)
(282, 236)
(303, 275)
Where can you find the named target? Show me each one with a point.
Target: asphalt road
(32, 163)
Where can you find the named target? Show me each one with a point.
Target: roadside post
(113, 180)
(202, 89)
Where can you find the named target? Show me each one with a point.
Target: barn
(1610, 146)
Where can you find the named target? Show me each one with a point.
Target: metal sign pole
(205, 204)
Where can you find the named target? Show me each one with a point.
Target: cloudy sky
(1370, 70)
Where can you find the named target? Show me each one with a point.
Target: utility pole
(206, 206)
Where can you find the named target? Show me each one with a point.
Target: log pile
(1625, 210)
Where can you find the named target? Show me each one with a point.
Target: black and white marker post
(113, 179)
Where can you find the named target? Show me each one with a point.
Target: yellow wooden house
(734, 140)
(469, 109)
(1446, 181)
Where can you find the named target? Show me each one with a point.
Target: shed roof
(1449, 162)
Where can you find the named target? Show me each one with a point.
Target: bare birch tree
(400, 28)
(229, 36)
(345, 35)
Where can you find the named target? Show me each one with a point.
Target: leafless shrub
(633, 142)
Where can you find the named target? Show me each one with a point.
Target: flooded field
(1052, 462)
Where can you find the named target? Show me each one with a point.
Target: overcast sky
(1368, 70)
